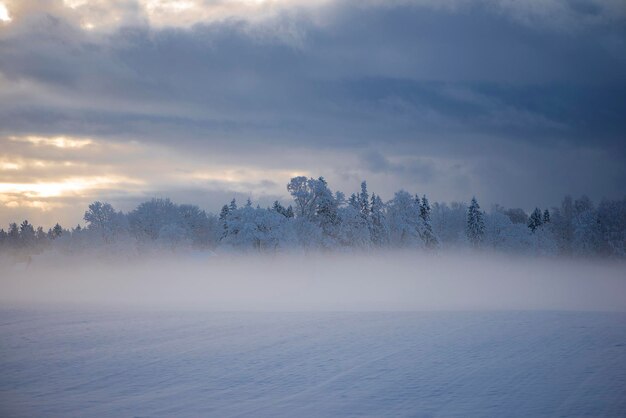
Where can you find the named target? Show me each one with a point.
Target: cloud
(450, 98)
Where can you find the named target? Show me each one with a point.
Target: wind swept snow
(97, 363)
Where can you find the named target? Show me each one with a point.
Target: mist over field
(375, 281)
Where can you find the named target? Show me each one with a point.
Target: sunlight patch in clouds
(4, 13)
(102, 15)
(39, 174)
(58, 141)
(9, 166)
(70, 186)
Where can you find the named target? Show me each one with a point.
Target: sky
(516, 102)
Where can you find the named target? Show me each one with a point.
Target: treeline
(321, 219)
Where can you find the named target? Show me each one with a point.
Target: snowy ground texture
(62, 363)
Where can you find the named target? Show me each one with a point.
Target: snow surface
(87, 362)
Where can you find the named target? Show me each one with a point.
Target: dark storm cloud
(486, 95)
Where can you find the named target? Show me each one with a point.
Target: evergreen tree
(535, 221)
(364, 204)
(102, 219)
(13, 235)
(27, 234)
(327, 208)
(475, 224)
(380, 232)
(56, 231)
(546, 217)
(233, 205)
(224, 220)
(427, 234)
(354, 201)
(278, 208)
(224, 213)
(40, 234)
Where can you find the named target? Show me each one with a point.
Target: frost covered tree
(517, 215)
(27, 235)
(287, 212)
(305, 193)
(353, 201)
(13, 236)
(404, 221)
(55, 232)
(449, 223)
(223, 217)
(322, 219)
(587, 230)
(475, 224)
(535, 220)
(257, 229)
(149, 218)
(353, 229)
(199, 229)
(380, 229)
(429, 237)
(364, 203)
(105, 222)
(612, 227)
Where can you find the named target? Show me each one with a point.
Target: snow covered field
(97, 363)
(511, 338)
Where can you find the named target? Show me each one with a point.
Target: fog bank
(390, 281)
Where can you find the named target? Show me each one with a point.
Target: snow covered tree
(380, 230)
(562, 223)
(104, 221)
(404, 221)
(233, 205)
(449, 223)
(612, 227)
(364, 203)
(475, 224)
(327, 210)
(353, 229)
(13, 236)
(316, 203)
(546, 217)
(587, 231)
(27, 235)
(429, 237)
(224, 213)
(55, 232)
(147, 220)
(279, 208)
(517, 216)
(255, 229)
(535, 221)
(305, 193)
(353, 201)
(200, 229)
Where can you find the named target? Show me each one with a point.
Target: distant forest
(320, 219)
